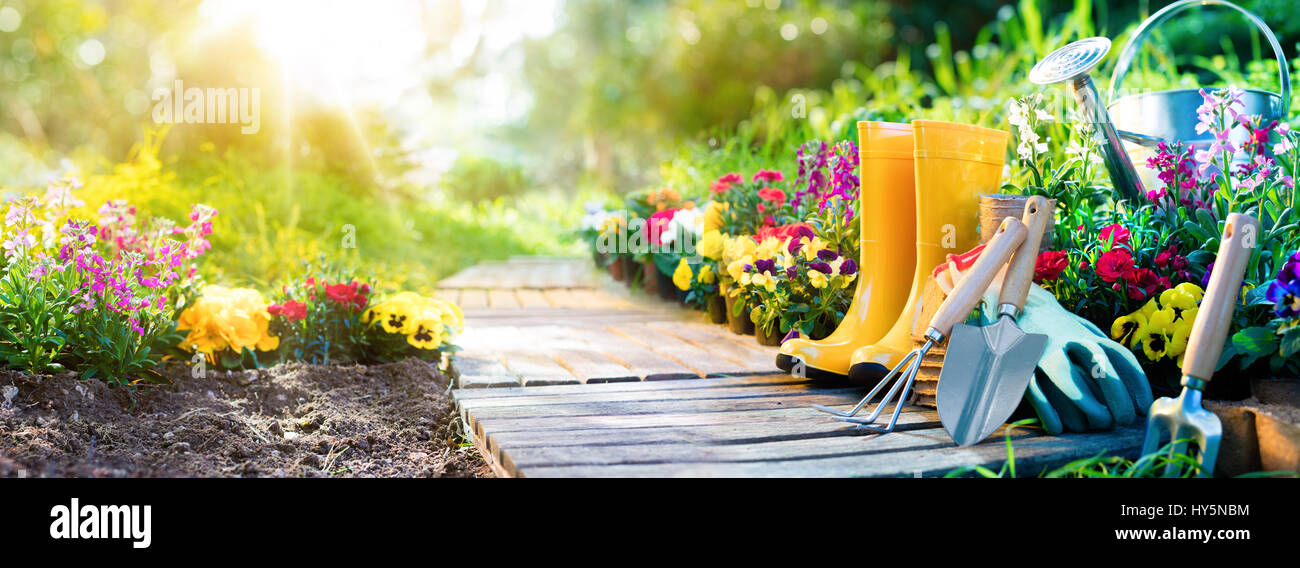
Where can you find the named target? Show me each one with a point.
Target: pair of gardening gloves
(1084, 381)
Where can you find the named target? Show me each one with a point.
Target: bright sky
(385, 52)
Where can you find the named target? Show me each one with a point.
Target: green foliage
(481, 178)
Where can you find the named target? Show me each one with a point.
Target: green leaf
(1254, 343)
(1290, 343)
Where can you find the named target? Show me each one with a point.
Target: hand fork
(1183, 417)
(954, 310)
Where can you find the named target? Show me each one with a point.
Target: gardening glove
(1085, 381)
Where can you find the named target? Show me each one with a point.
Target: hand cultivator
(954, 310)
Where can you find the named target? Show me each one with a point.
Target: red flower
(769, 176)
(1143, 283)
(1118, 233)
(1114, 265)
(772, 195)
(292, 310)
(762, 207)
(363, 289)
(719, 187)
(341, 293)
(784, 231)
(1050, 265)
(1166, 257)
(731, 178)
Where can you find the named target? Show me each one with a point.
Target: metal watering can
(1146, 119)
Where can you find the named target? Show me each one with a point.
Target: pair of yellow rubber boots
(920, 188)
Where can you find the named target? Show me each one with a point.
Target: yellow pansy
(706, 275)
(811, 248)
(1125, 329)
(682, 276)
(817, 279)
(1178, 341)
(768, 248)
(711, 245)
(762, 279)
(1178, 301)
(737, 268)
(1191, 290)
(427, 334)
(739, 247)
(1148, 309)
(1156, 334)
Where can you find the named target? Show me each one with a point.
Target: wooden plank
(682, 353)
(538, 369)
(644, 362)
(755, 358)
(755, 381)
(471, 299)
(482, 370)
(623, 408)
(1033, 455)
(502, 298)
(907, 421)
(655, 395)
(593, 367)
(450, 295)
(532, 299)
(562, 298)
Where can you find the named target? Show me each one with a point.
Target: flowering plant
(408, 324)
(1278, 341)
(747, 205)
(318, 318)
(797, 284)
(228, 324)
(1161, 330)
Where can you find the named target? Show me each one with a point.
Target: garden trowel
(988, 368)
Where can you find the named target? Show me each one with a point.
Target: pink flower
(769, 176)
(1115, 234)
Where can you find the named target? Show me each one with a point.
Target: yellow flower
(1178, 301)
(711, 244)
(427, 334)
(1148, 309)
(817, 279)
(1178, 342)
(739, 247)
(762, 279)
(227, 318)
(737, 268)
(1125, 329)
(713, 215)
(1155, 336)
(811, 248)
(768, 248)
(1191, 289)
(706, 275)
(682, 276)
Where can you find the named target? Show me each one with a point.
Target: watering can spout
(1071, 65)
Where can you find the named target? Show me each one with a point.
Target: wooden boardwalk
(592, 381)
(539, 322)
(760, 426)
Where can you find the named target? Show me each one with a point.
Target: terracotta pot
(649, 277)
(769, 339)
(616, 270)
(630, 270)
(717, 310)
(738, 324)
(1276, 390)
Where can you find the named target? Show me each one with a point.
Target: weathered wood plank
(562, 298)
(473, 298)
(753, 358)
(482, 370)
(755, 381)
(657, 395)
(908, 420)
(593, 367)
(622, 408)
(647, 364)
(538, 369)
(1033, 455)
(683, 353)
(532, 299)
(499, 298)
(449, 295)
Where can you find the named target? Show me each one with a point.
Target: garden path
(546, 321)
(551, 325)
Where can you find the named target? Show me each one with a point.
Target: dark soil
(291, 420)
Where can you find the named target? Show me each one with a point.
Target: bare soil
(292, 420)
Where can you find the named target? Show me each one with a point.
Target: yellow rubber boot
(887, 214)
(955, 163)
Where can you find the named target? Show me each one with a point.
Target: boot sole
(787, 363)
(867, 373)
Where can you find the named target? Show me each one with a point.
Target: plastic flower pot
(649, 277)
(717, 310)
(738, 324)
(769, 337)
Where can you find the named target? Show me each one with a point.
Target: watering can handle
(1131, 49)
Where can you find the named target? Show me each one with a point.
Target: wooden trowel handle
(1215, 315)
(1020, 273)
(976, 280)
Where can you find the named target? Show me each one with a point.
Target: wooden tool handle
(976, 280)
(1215, 315)
(1020, 273)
